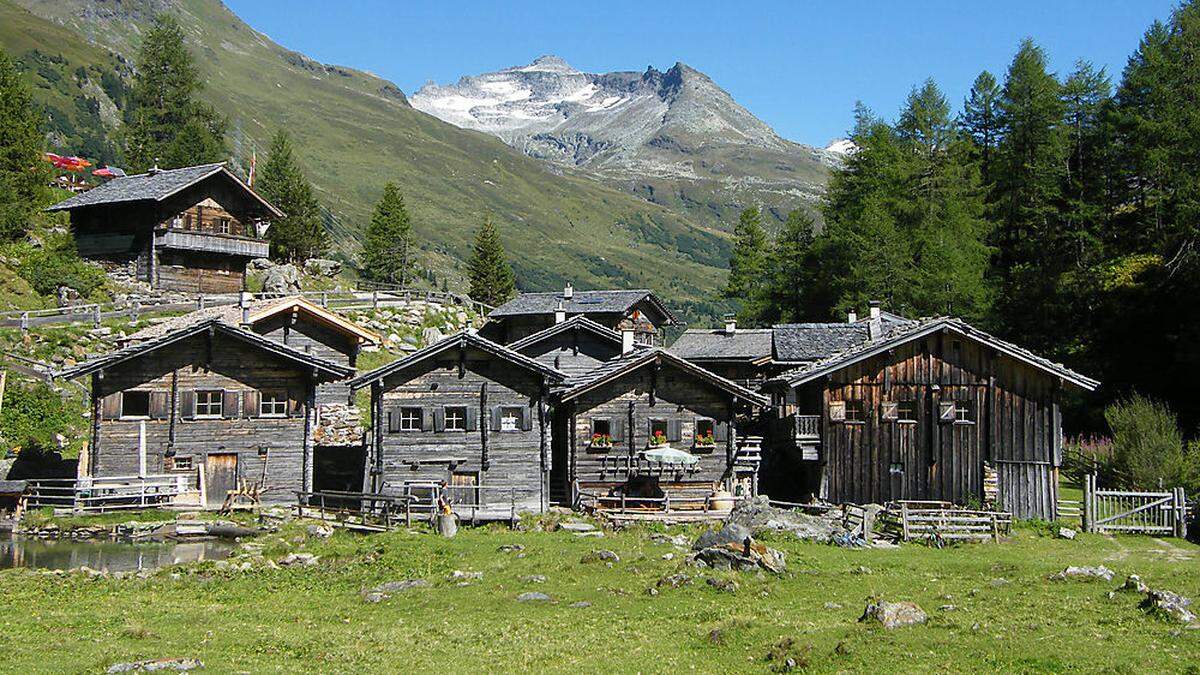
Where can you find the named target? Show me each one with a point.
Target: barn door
(220, 472)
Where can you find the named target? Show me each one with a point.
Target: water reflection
(111, 556)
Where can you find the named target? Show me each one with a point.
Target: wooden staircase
(749, 454)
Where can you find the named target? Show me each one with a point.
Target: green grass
(314, 620)
(42, 517)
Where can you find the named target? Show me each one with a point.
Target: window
(223, 225)
(855, 411)
(410, 419)
(181, 464)
(601, 433)
(906, 411)
(659, 430)
(273, 404)
(135, 404)
(208, 403)
(456, 418)
(964, 412)
(510, 419)
(705, 432)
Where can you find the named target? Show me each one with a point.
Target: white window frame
(207, 405)
(189, 461)
(964, 412)
(856, 411)
(510, 418)
(903, 406)
(411, 418)
(460, 418)
(272, 404)
(126, 416)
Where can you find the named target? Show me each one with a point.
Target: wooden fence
(942, 522)
(378, 512)
(1128, 511)
(98, 495)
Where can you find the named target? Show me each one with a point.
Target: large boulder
(282, 279)
(894, 614)
(731, 533)
(757, 514)
(322, 267)
(1170, 605)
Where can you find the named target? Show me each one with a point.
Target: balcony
(211, 242)
(802, 432)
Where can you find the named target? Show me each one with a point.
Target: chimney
(875, 324)
(626, 340)
(852, 317)
(244, 303)
(730, 324)
(568, 292)
(560, 313)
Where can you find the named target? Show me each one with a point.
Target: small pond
(107, 554)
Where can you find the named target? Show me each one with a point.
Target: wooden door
(220, 472)
(464, 484)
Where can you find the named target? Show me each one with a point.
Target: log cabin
(647, 424)
(930, 409)
(191, 230)
(529, 313)
(572, 346)
(212, 400)
(467, 412)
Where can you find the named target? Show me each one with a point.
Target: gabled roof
(456, 341)
(638, 358)
(799, 342)
(577, 322)
(333, 370)
(716, 344)
(901, 333)
(259, 310)
(155, 186)
(581, 302)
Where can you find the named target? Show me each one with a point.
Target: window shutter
(439, 419)
(889, 410)
(426, 419)
(837, 411)
(229, 404)
(472, 418)
(526, 418)
(293, 405)
(674, 430)
(616, 429)
(159, 404)
(187, 404)
(251, 403)
(946, 411)
(393, 420)
(495, 419)
(110, 407)
(720, 431)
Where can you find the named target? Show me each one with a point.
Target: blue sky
(799, 66)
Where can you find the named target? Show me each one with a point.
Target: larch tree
(167, 125)
(747, 280)
(979, 121)
(388, 249)
(301, 233)
(491, 276)
(23, 176)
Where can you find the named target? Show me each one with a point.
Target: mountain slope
(354, 131)
(673, 137)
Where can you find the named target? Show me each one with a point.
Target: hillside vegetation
(354, 131)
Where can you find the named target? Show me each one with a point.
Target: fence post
(24, 321)
(375, 299)
(133, 311)
(904, 521)
(1180, 512)
(96, 316)
(1088, 498)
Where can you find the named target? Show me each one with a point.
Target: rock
(67, 296)
(152, 665)
(832, 605)
(1134, 583)
(602, 555)
(511, 548)
(652, 591)
(582, 604)
(431, 336)
(373, 597)
(1085, 573)
(675, 581)
(742, 556)
(1066, 533)
(576, 527)
(594, 534)
(533, 596)
(322, 267)
(668, 556)
(459, 575)
(678, 541)
(259, 264)
(725, 585)
(385, 590)
(948, 608)
(283, 279)
(731, 533)
(532, 579)
(298, 559)
(894, 614)
(1170, 606)
(758, 514)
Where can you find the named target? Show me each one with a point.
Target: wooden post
(96, 316)
(904, 521)
(1180, 512)
(995, 529)
(1089, 496)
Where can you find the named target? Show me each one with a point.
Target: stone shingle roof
(577, 322)
(153, 186)
(259, 309)
(641, 356)
(461, 339)
(744, 344)
(581, 302)
(813, 341)
(901, 332)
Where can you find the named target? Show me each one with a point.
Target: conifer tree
(300, 234)
(491, 276)
(979, 121)
(388, 248)
(168, 125)
(748, 264)
(791, 265)
(23, 175)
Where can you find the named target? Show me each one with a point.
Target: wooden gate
(220, 471)
(1163, 513)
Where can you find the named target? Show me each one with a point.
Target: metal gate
(1125, 511)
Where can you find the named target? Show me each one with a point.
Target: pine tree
(491, 276)
(300, 234)
(979, 121)
(23, 175)
(790, 271)
(388, 248)
(168, 126)
(748, 264)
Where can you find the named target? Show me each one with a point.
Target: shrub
(58, 264)
(1148, 450)
(1088, 455)
(34, 414)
